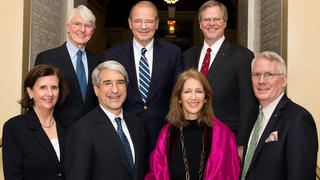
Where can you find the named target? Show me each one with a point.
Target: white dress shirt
(215, 48)
(124, 127)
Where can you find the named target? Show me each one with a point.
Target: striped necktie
(252, 145)
(144, 75)
(125, 144)
(81, 75)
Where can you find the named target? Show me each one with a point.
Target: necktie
(206, 62)
(125, 143)
(144, 75)
(81, 75)
(252, 145)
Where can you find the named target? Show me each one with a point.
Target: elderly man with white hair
(76, 63)
(283, 142)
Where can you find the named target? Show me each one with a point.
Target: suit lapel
(106, 128)
(131, 66)
(39, 134)
(270, 126)
(219, 60)
(155, 67)
(135, 139)
(68, 69)
(196, 56)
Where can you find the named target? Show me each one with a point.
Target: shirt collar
(268, 110)
(73, 49)
(110, 115)
(139, 47)
(215, 46)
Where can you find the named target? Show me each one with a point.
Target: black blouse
(193, 146)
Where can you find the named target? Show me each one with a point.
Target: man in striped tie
(283, 142)
(153, 66)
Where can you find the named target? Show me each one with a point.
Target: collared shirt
(73, 56)
(215, 48)
(137, 55)
(267, 113)
(123, 125)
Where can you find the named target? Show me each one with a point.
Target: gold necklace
(50, 123)
(185, 161)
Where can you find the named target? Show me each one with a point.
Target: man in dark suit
(227, 68)
(150, 89)
(283, 143)
(107, 143)
(81, 99)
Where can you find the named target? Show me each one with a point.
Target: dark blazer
(167, 65)
(95, 152)
(294, 155)
(73, 107)
(230, 80)
(27, 151)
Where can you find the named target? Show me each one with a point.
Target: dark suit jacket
(95, 152)
(230, 80)
(27, 151)
(294, 155)
(73, 107)
(167, 65)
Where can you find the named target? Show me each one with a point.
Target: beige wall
(303, 55)
(11, 16)
(11, 49)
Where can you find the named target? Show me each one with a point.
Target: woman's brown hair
(176, 114)
(31, 78)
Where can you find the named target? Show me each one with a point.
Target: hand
(240, 152)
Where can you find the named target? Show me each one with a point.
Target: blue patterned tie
(144, 75)
(252, 145)
(81, 75)
(125, 144)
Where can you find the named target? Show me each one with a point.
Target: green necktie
(252, 145)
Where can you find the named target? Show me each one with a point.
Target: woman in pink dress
(194, 144)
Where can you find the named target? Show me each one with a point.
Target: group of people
(148, 111)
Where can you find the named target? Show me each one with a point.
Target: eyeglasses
(147, 21)
(207, 20)
(80, 25)
(267, 76)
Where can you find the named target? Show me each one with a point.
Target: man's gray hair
(109, 64)
(272, 56)
(84, 12)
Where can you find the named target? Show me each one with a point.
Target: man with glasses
(153, 66)
(227, 68)
(283, 142)
(77, 63)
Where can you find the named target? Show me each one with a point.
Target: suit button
(145, 107)
(59, 174)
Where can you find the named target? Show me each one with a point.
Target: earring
(179, 101)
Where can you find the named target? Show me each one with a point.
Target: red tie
(206, 62)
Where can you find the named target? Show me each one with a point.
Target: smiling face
(45, 92)
(267, 91)
(192, 98)
(112, 90)
(143, 23)
(79, 30)
(212, 24)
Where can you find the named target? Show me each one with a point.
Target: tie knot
(143, 51)
(118, 121)
(79, 53)
(209, 50)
